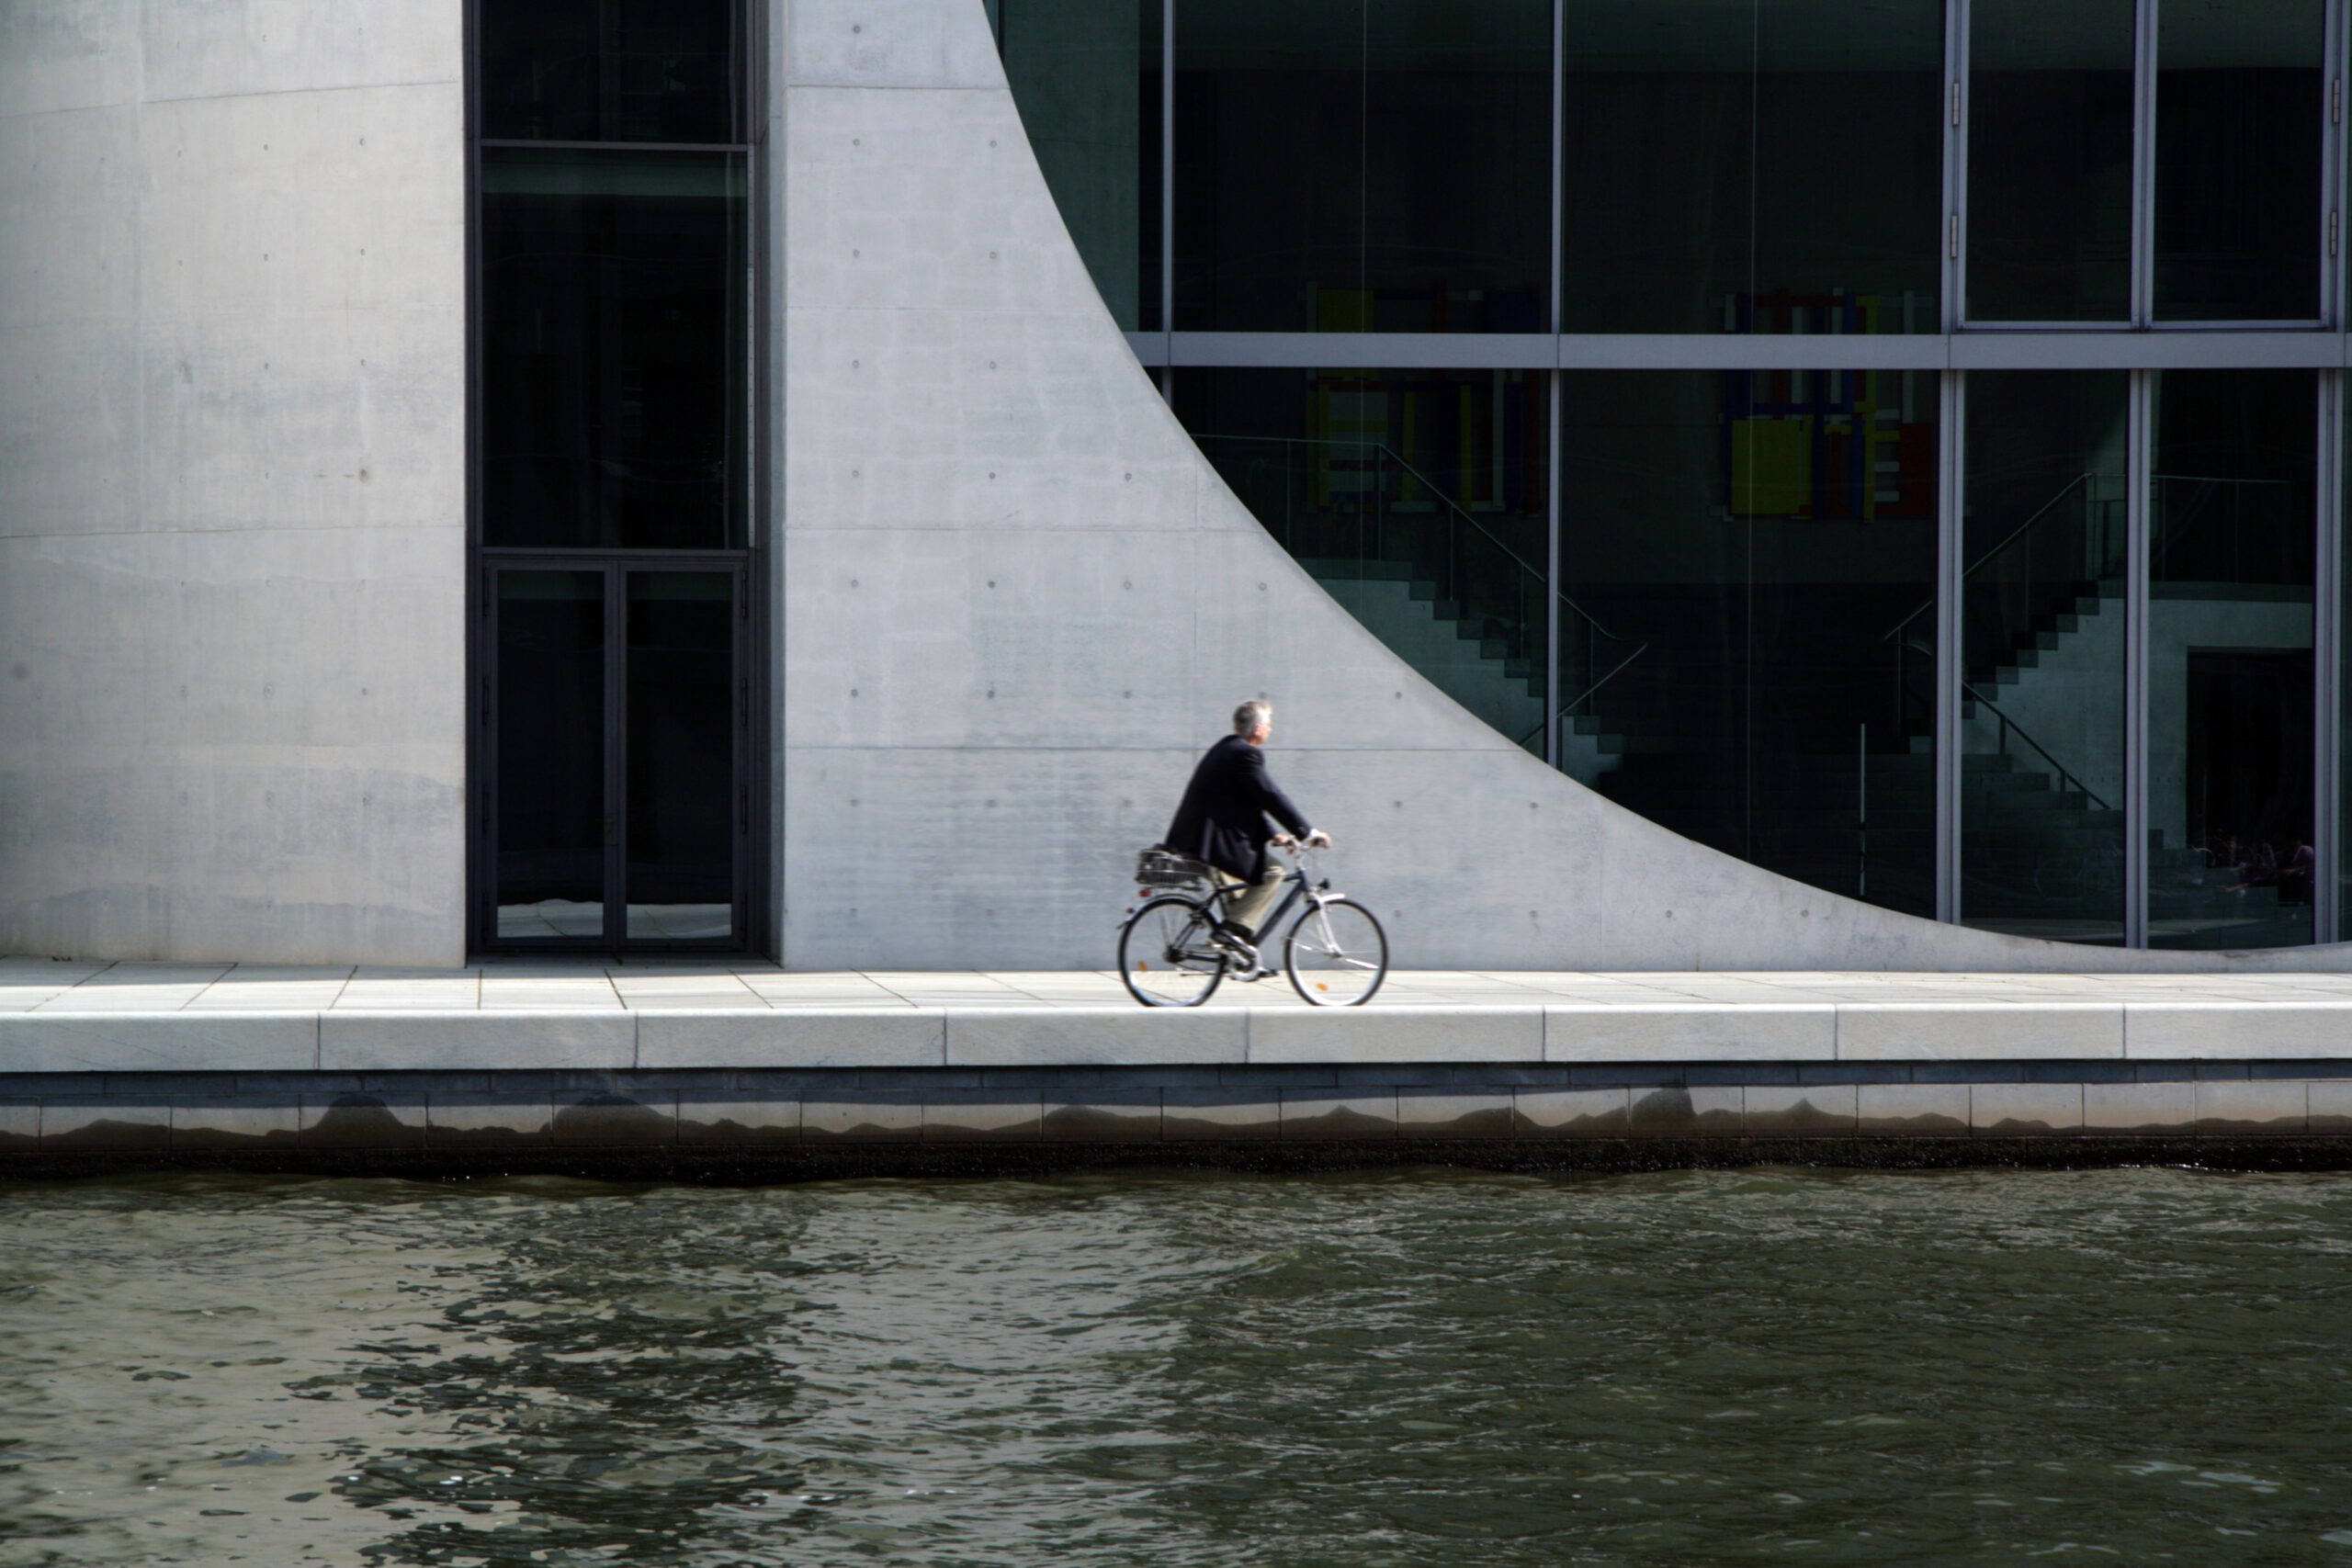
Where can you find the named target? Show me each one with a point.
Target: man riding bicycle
(1222, 821)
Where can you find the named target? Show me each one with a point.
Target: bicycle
(1173, 953)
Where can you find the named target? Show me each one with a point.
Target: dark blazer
(1222, 819)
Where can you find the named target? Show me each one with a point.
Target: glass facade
(2231, 554)
(612, 322)
(1418, 499)
(2025, 617)
(612, 501)
(1751, 166)
(1087, 77)
(2042, 623)
(2242, 112)
(1743, 557)
(550, 873)
(1363, 165)
(2050, 161)
(611, 71)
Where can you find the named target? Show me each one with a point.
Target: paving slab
(587, 1013)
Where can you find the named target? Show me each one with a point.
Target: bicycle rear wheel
(1165, 956)
(1337, 955)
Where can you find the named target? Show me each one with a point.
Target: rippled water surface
(1424, 1369)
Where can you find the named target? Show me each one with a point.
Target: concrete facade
(232, 480)
(1018, 603)
(1012, 602)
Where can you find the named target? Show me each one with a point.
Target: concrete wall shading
(233, 480)
(1011, 600)
(1018, 603)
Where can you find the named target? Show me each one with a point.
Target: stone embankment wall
(781, 1123)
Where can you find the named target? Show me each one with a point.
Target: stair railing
(2011, 537)
(2175, 521)
(1593, 632)
(1465, 538)
(1905, 647)
(2066, 777)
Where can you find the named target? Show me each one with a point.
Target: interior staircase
(1474, 658)
(1786, 779)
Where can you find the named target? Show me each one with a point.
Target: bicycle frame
(1325, 971)
(1295, 880)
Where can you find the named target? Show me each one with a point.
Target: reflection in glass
(1752, 166)
(552, 826)
(1761, 549)
(2042, 615)
(2050, 161)
(2231, 553)
(681, 755)
(1416, 498)
(610, 70)
(612, 349)
(1355, 165)
(1086, 77)
(2241, 111)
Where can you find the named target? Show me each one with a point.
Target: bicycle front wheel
(1165, 956)
(1336, 955)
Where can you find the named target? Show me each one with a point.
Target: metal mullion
(2327, 662)
(1167, 199)
(762, 880)
(739, 694)
(616, 753)
(482, 831)
(1955, 123)
(1951, 416)
(550, 146)
(607, 62)
(2140, 448)
(2144, 163)
(480, 921)
(2331, 272)
(2087, 345)
(1554, 752)
(2331, 172)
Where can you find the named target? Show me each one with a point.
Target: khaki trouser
(1246, 909)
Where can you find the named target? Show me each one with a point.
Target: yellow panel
(1771, 466)
(1343, 310)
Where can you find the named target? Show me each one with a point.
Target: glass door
(617, 710)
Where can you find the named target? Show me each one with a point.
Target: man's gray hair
(1250, 715)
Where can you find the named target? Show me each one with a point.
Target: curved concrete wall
(231, 480)
(1017, 603)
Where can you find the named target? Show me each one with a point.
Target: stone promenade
(684, 1054)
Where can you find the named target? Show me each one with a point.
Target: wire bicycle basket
(1160, 866)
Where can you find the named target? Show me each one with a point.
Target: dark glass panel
(2230, 558)
(610, 70)
(1416, 498)
(2042, 622)
(2241, 114)
(1086, 76)
(681, 762)
(1752, 166)
(613, 349)
(1750, 565)
(552, 823)
(1352, 165)
(2049, 159)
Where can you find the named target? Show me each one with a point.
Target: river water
(1425, 1367)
